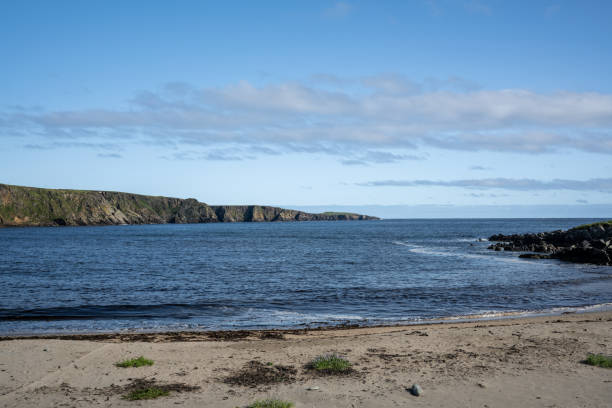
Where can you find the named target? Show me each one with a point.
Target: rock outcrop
(584, 244)
(29, 206)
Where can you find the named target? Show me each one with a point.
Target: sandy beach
(524, 362)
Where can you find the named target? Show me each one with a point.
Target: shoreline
(528, 361)
(240, 333)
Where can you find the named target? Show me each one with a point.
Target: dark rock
(416, 390)
(584, 244)
(534, 256)
(601, 244)
(584, 255)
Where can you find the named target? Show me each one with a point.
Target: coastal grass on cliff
(595, 224)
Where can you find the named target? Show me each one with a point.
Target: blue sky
(455, 104)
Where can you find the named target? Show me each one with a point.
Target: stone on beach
(416, 390)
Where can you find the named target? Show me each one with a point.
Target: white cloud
(600, 184)
(378, 157)
(377, 112)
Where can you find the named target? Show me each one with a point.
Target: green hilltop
(595, 224)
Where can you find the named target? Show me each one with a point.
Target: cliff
(590, 243)
(29, 206)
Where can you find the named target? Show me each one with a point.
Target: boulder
(534, 256)
(584, 255)
(416, 390)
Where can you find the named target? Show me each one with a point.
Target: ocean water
(279, 275)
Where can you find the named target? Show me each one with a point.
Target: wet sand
(524, 362)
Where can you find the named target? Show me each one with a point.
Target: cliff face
(28, 206)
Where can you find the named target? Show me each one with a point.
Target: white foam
(472, 240)
(496, 314)
(418, 249)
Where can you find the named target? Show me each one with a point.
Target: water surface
(260, 275)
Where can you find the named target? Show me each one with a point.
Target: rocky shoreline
(583, 244)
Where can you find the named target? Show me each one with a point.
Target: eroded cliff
(29, 206)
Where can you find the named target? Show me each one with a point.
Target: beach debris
(416, 390)
(271, 335)
(255, 373)
(313, 388)
(229, 335)
(417, 332)
(141, 388)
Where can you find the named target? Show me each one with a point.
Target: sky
(392, 107)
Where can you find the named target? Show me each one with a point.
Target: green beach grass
(599, 360)
(271, 403)
(146, 393)
(331, 364)
(135, 362)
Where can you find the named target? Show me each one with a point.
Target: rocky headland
(590, 243)
(29, 206)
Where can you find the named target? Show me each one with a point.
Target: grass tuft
(135, 362)
(271, 403)
(331, 364)
(599, 360)
(146, 393)
(595, 224)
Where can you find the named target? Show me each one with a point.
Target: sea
(282, 275)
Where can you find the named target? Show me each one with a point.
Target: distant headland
(30, 206)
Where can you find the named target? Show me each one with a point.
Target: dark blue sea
(280, 275)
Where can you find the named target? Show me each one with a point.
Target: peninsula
(30, 206)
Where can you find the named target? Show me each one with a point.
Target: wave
(268, 319)
(472, 240)
(487, 315)
(419, 249)
(495, 314)
(379, 300)
(84, 312)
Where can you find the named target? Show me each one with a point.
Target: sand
(525, 362)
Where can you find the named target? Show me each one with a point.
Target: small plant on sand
(599, 360)
(271, 403)
(146, 393)
(330, 364)
(135, 362)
